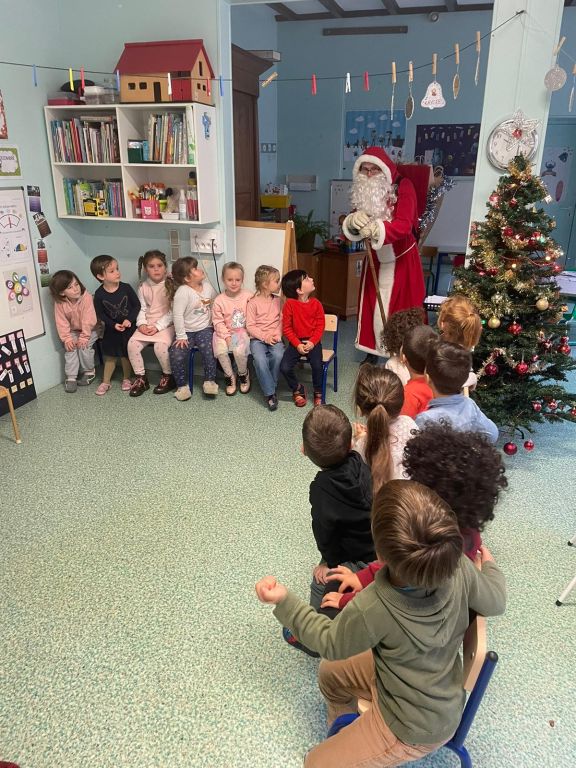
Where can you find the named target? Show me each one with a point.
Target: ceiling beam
(285, 12)
(332, 6)
(391, 9)
(391, 6)
(332, 31)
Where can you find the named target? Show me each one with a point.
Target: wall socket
(202, 240)
(268, 147)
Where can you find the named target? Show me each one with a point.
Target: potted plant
(306, 230)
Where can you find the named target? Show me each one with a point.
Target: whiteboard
(19, 297)
(450, 230)
(259, 242)
(339, 202)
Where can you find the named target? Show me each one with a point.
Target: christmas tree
(523, 354)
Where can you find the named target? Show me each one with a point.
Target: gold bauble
(542, 304)
(493, 322)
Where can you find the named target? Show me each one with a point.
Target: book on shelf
(165, 136)
(85, 139)
(94, 198)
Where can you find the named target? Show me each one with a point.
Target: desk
(567, 282)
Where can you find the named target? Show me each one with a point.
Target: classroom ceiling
(326, 10)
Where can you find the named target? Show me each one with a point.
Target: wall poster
(378, 128)
(453, 146)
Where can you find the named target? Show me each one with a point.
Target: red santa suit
(394, 253)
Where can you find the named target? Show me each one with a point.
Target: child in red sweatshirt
(303, 326)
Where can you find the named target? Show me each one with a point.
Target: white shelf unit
(132, 122)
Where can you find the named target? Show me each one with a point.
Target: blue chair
(193, 351)
(329, 354)
(479, 666)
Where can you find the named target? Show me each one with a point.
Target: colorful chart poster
(453, 146)
(374, 128)
(9, 163)
(19, 295)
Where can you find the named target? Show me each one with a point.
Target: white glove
(371, 230)
(357, 220)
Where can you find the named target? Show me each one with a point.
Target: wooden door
(246, 70)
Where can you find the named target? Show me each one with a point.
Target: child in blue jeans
(303, 325)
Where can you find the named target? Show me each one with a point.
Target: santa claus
(386, 215)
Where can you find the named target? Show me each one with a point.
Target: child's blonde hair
(459, 321)
(262, 275)
(379, 396)
(232, 265)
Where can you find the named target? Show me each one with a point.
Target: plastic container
(98, 94)
(275, 201)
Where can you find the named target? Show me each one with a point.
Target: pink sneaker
(126, 385)
(102, 388)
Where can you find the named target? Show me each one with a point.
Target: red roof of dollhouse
(161, 56)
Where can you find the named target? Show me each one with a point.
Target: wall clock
(518, 136)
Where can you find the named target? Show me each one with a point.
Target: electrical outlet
(207, 240)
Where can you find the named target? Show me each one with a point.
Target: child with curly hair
(459, 322)
(465, 470)
(393, 335)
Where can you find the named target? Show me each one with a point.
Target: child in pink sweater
(264, 324)
(76, 325)
(230, 334)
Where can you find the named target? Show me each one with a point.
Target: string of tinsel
(432, 199)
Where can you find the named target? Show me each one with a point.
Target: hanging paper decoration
(409, 106)
(347, 87)
(366, 82)
(117, 79)
(313, 85)
(477, 72)
(169, 84)
(393, 90)
(208, 87)
(220, 85)
(555, 78)
(456, 78)
(571, 99)
(433, 98)
(34, 76)
(82, 80)
(268, 80)
(71, 77)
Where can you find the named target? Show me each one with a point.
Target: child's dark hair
(60, 281)
(448, 366)
(397, 326)
(180, 271)
(327, 436)
(99, 265)
(232, 265)
(416, 346)
(292, 282)
(143, 262)
(416, 534)
(379, 396)
(462, 467)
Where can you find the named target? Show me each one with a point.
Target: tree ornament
(557, 268)
(564, 349)
(491, 369)
(572, 412)
(522, 368)
(513, 202)
(564, 308)
(534, 358)
(536, 235)
(514, 328)
(494, 200)
(494, 322)
(542, 304)
(529, 445)
(510, 448)
(507, 231)
(546, 345)
(537, 407)
(492, 271)
(564, 339)
(552, 405)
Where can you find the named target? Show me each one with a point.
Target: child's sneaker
(317, 399)
(244, 379)
(183, 393)
(126, 385)
(272, 402)
(230, 385)
(102, 388)
(86, 378)
(139, 386)
(295, 643)
(210, 388)
(70, 385)
(299, 396)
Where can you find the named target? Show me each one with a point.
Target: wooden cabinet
(89, 145)
(337, 278)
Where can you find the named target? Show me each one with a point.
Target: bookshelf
(90, 160)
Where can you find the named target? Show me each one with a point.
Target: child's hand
(152, 330)
(69, 345)
(269, 590)
(331, 600)
(81, 344)
(181, 343)
(346, 577)
(320, 572)
(301, 348)
(483, 556)
(358, 430)
(145, 329)
(126, 323)
(308, 346)
(120, 327)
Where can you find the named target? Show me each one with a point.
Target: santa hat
(376, 156)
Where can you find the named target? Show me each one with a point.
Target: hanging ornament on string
(477, 71)
(393, 90)
(571, 99)
(433, 98)
(347, 86)
(456, 78)
(409, 106)
(555, 78)
(314, 89)
(366, 81)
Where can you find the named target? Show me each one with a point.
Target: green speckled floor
(132, 533)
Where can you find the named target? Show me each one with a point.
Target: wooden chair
(6, 393)
(329, 354)
(429, 257)
(478, 666)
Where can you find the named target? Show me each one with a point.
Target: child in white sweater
(191, 311)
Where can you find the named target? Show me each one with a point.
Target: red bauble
(481, 272)
(510, 449)
(573, 412)
(564, 349)
(493, 271)
(557, 268)
(494, 200)
(552, 405)
(564, 339)
(522, 368)
(513, 202)
(507, 231)
(491, 369)
(537, 235)
(529, 445)
(514, 328)
(546, 345)
(537, 407)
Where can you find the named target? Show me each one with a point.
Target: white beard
(374, 195)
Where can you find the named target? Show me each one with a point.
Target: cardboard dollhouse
(144, 69)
